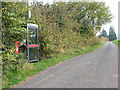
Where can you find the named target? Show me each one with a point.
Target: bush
(104, 39)
(95, 41)
(11, 61)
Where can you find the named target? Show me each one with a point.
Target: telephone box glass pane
(33, 54)
(32, 35)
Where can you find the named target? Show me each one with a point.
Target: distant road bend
(98, 69)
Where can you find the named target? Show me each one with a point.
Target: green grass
(31, 69)
(117, 42)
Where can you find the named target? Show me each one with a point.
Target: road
(98, 69)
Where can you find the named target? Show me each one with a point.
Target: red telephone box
(17, 46)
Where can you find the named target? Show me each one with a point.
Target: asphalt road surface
(98, 69)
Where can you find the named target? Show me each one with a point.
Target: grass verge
(117, 42)
(30, 69)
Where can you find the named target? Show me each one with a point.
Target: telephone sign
(32, 42)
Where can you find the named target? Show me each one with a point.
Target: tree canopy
(112, 34)
(103, 33)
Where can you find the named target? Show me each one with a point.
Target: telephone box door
(32, 41)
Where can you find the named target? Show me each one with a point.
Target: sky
(113, 7)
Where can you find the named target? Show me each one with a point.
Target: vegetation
(117, 42)
(13, 17)
(70, 25)
(0, 67)
(103, 33)
(112, 34)
(104, 36)
(64, 29)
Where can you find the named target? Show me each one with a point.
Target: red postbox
(17, 46)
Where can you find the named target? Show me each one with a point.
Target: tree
(13, 18)
(103, 34)
(112, 34)
(91, 16)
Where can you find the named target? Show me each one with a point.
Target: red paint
(17, 46)
(33, 45)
